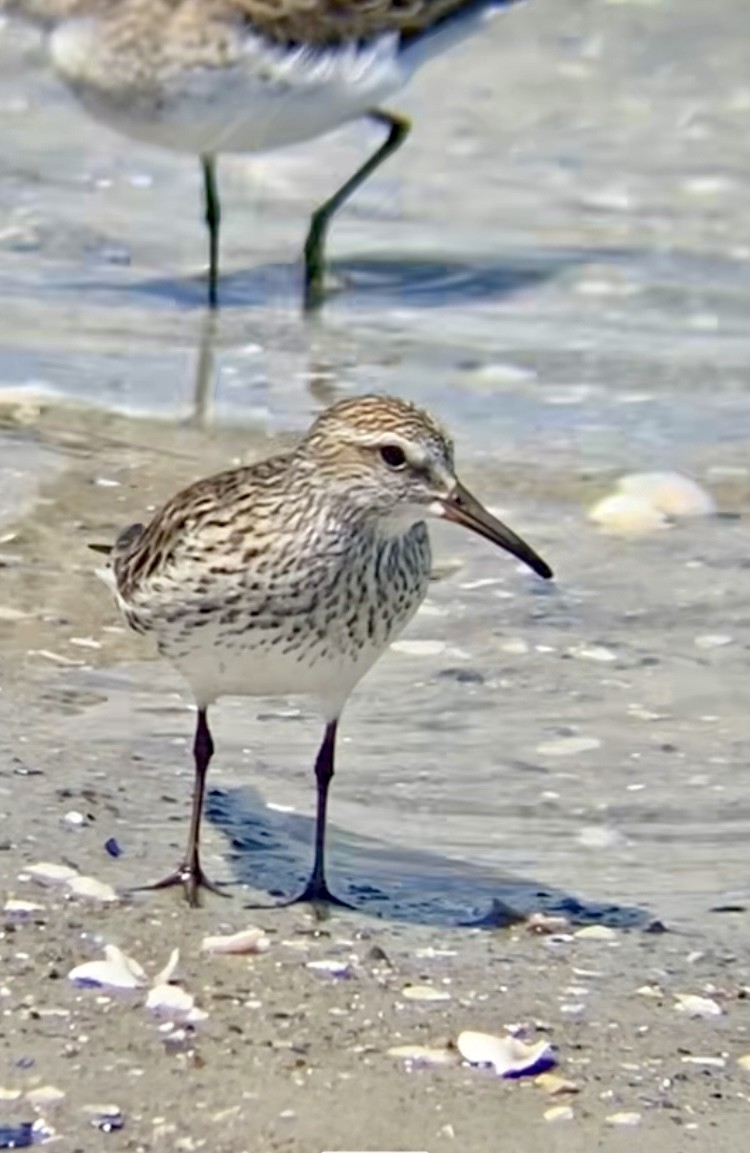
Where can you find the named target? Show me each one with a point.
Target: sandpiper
(218, 76)
(293, 575)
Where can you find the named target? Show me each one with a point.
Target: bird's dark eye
(393, 455)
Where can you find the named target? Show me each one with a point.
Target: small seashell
(555, 1085)
(624, 515)
(106, 1118)
(76, 819)
(654, 991)
(559, 1113)
(9, 1095)
(116, 971)
(568, 746)
(672, 494)
(89, 889)
(713, 641)
(509, 1056)
(744, 1062)
(424, 1055)
(167, 974)
(44, 1096)
(596, 933)
(250, 940)
(712, 1062)
(175, 1004)
(331, 966)
(49, 874)
(697, 1006)
(623, 1119)
(593, 653)
(17, 910)
(419, 648)
(424, 993)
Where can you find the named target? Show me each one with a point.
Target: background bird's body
(208, 77)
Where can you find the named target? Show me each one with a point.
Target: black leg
(190, 874)
(213, 220)
(398, 129)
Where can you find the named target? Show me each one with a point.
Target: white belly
(268, 98)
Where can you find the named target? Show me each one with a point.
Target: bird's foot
(191, 877)
(316, 894)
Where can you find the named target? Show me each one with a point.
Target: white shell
(508, 1055)
(424, 993)
(250, 940)
(174, 1004)
(89, 889)
(116, 971)
(629, 1119)
(48, 873)
(423, 1055)
(671, 493)
(596, 933)
(17, 910)
(625, 515)
(332, 967)
(167, 974)
(697, 1006)
(43, 1096)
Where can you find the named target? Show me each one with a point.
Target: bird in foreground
(292, 576)
(207, 77)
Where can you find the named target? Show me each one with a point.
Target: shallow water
(558, 264)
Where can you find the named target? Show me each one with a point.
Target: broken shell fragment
(116, 971)
(559, 1113)
(424, 1055)
(697, 1006)
(168, 973)
(623, 514)
(49, 874)
(555, 1085)
(424, 993)
(509, 1056)
(250, 940)
(17, 910)
(174, 1004)
(671, 493)
(89, 889)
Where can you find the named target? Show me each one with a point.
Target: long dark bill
(464, 509)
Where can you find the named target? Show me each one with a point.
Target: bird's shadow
(375, 282)
(271, 850)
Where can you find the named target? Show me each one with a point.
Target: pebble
(624, 1119)
(596, 933)
(424, 993)
(697, 1006)
(568, 746)
(250, 940)
(559, 1113)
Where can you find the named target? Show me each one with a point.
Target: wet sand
(584, 315)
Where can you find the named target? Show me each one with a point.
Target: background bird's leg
(213, 220)
(189, 873)
(398, 129)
